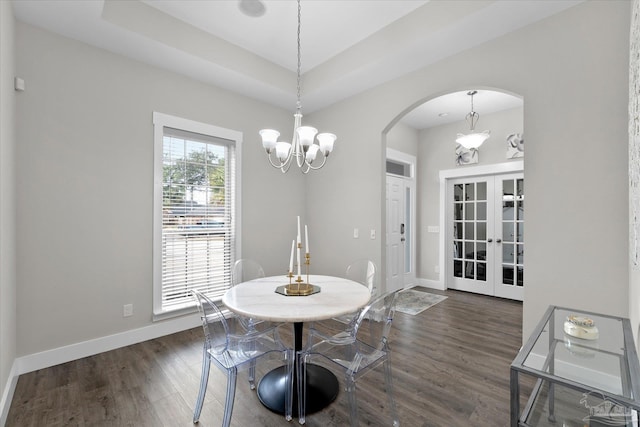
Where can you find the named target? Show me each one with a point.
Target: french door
(485, 217)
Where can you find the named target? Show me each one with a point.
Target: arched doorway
(428, 131)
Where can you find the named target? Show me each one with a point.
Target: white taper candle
(299, 257)
(306, 238)
(298, 245)
(293, 243)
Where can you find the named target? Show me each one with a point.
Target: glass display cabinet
(585, 368)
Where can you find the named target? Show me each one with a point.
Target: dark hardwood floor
(450, 368)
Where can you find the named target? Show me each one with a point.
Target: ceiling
(348, 46)
(454, 107)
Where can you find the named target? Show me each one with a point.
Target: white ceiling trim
(349, 46)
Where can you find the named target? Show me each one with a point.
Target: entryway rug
(415, 302)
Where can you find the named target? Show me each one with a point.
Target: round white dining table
(258, 299)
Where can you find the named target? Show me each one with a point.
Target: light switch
(373, 233)
(355, 233)
(433, 229)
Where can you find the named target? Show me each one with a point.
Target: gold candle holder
(307, 263)
(300, 287)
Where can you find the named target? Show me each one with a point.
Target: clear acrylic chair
(246, 269)
(232, 348)
(362, 271)
(361, 348)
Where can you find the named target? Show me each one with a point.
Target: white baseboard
(7, 394)
(428, 283)
(56, 356)
(79, 350)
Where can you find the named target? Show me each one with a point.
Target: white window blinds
(195, 229)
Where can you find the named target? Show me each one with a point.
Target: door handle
(402, 239)
(489, 240)
(498, 240)
(401, 228)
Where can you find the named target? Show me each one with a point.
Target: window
(396, 167)
(195, 205)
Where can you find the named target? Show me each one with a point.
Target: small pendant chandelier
(472, 140)
(303, 147)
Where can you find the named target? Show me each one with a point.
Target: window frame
(160, 121)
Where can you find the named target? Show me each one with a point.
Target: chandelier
(303, 148)
(472, 140)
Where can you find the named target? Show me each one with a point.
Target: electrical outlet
(355, 233)
(127, 310)
(373, 233)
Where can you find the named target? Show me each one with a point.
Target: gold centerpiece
(299, 287)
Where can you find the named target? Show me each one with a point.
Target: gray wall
(84, 126)
(634, 101)
(403, 138)
(572, 72)
(437, 152)
(85, 180)
(7, 196)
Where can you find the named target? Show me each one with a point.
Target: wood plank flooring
(450, 368)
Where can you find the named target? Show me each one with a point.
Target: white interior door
(486, 235)
(395, 233)
(408, 232)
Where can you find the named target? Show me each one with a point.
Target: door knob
(402, 239)
(489, 240)
(498, 240)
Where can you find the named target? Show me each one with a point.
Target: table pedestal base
(322, 389)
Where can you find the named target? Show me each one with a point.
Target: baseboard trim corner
(433, 284)
(7, 394)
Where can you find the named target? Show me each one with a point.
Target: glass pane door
(470, 213)
(510, 270)
(486, 235)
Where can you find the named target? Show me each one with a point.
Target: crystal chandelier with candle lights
(472, 140)
(303, 149)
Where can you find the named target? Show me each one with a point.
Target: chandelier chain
(303, 149)
(299, 105)
(472, 117)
